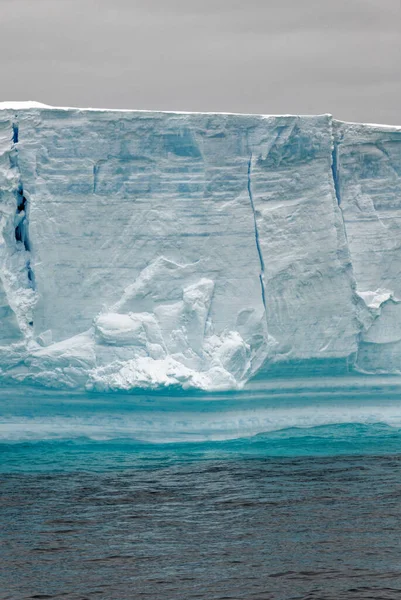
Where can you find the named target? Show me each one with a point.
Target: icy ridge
(195, 250)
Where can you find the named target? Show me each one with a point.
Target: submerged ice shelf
(147, 249)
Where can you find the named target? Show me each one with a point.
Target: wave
(87, 454)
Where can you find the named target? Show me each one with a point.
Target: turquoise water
(256, 495)
(44, 430)
(82, 453)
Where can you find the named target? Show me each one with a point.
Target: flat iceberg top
(24, 105)
(153, 249)
(31, 104)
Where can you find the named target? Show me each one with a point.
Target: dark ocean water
(94, 505)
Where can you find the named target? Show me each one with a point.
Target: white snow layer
(143, 249)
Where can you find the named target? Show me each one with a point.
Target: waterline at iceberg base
(305, 405)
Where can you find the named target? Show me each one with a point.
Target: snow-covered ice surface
(147, 249)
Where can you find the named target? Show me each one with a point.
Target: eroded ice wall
(368, 161)
(308, 276)
(17, 296)
(185, 249)
(141, 226)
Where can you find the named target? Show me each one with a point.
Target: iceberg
(195, 250)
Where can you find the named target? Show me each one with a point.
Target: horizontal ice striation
(143, 250)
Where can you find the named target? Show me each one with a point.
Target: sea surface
(271, 494)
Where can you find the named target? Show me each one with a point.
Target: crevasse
(262, 264)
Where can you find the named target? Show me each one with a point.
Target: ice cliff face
(144, 249)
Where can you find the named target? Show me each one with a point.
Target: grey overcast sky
(261, 56)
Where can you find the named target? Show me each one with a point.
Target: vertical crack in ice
(96, 168)
(21, 233)
(258, 247)
(15, 133)
(22, 221)
(352, 359)
(335, 172)
(337, 188)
